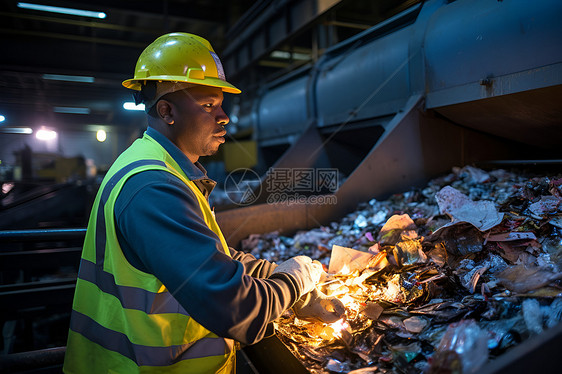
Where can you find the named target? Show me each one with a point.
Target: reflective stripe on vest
(130, 297)
(111, 289)
(141, 354)
(100, 224)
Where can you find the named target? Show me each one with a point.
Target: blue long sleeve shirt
(161, 230)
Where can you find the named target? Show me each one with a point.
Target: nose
(222, 118)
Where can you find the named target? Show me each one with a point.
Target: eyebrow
(206, 96)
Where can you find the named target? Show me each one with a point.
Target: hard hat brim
(136, 84)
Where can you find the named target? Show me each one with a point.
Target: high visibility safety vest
(124, 320)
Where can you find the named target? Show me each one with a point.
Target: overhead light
(56, 9)
(288, 55)
(281, 54)
(71, 110)
(129, 105)
(2, 118)
(69, 78)
(44, 134)
(101, 135)
(16, 130)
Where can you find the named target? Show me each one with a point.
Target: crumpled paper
(545, 206)
(397, 228)
(481, 214)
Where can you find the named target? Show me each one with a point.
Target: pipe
(42, 234)
(28, 361)
(453, 53)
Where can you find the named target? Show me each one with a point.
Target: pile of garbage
(439, 279)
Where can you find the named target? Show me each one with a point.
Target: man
(158, 289)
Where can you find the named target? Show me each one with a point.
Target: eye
(208, 106)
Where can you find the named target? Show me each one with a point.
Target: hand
(306, 271)
(316, 306)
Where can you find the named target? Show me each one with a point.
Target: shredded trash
(437, 279)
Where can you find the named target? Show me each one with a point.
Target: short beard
(211, 152)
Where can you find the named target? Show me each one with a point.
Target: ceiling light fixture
(44, 134)
(69, 78)
(2, 118)
(101, 135)
(129, 105)
(56, 9)
(16, 130)
(287, 55)
(71, 110)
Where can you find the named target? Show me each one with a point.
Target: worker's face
(198, 121)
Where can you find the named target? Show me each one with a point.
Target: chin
(212, 152)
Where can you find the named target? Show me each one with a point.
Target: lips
(220, 136)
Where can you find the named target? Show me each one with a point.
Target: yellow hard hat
(180, 57)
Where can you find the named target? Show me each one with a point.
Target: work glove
(306, 272)
(315, 306)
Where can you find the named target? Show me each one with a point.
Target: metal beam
(351, 25)
(87, 39)
(277, 23)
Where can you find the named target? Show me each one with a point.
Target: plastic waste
(462, 350)
(532, 315)
(360, 221)
(335, 366)
(554, 313)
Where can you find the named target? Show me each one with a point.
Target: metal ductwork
(452, 53)
(441, 84)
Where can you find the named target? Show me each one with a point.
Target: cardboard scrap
(347, 260)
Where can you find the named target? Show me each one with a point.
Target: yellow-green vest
(124, 320)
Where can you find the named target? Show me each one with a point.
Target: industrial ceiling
(36, 43)
(41, 45)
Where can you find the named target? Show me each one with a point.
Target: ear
(164, 110)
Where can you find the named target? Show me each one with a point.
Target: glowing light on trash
(339, 326)
(347, 300)
(344, 270)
